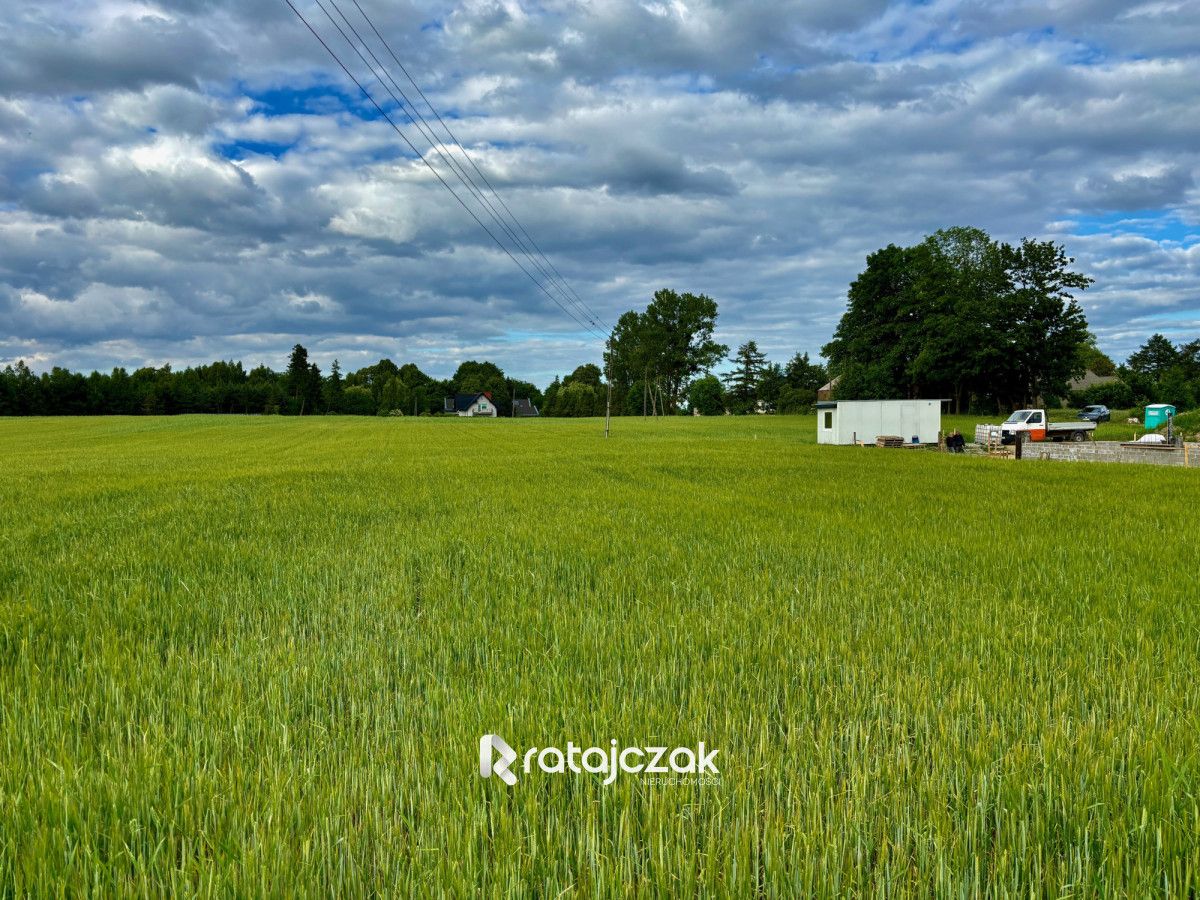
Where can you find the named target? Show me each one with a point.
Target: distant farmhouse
(524, 409)
(1090, 379)
(471, 405)
(1079, 385)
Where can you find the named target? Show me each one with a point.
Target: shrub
(1187, 424)
(357, 401)
(796, 400)
(1114, 395)
(707, 395)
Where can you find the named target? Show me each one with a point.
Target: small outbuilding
(1157, 414)
(847, 421)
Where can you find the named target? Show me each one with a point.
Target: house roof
(1089, 379)
(463, 402)
(524, 407)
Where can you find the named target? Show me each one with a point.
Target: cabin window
(828, 420)
(1035, 419)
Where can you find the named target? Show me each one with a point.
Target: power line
(409, 108)
(434, 146)
(455, 142)
(589, 327)
(541, 262)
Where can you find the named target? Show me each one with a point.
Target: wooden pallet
(889, 440)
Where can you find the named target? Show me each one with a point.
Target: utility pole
(608, 378)
(608, 408)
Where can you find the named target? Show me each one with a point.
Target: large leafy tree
(427, 394)
(706, 396)
(961, 316)
(582, 393)
(872, 347)
(802, 379)
(396, 398)
(631, 359)
(958, 283)
(665, 347)
(1163, 373)
(1042, 321)
(373, 377)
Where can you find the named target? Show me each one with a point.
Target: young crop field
(256, 656)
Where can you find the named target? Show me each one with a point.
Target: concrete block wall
(1112, 451)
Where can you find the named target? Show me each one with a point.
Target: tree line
(989, 325)
(1157, 372)
(660, 362)
(383, 388)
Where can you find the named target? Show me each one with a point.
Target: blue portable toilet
(1156, 415)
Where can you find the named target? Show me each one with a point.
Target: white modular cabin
(847, 421)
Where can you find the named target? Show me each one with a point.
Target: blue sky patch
(242, 149)
(318, 100)
(1155, 224)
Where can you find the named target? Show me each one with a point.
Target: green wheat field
(255, 656)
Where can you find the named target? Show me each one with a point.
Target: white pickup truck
(1032, 422)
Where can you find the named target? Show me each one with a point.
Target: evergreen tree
(334, 389)
(742, 382)
(312, 389)
(804, 375)
(771, 383)
(1154, 358)
(296, 379)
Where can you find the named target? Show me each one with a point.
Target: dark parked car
(1096, 413)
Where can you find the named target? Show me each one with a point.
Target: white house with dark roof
(471, 405)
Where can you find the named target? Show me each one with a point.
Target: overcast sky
(190, 180)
